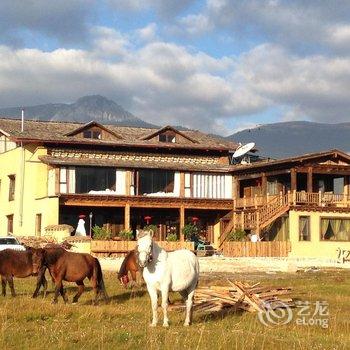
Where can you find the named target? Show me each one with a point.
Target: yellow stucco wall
(35, 199)
(315, 248)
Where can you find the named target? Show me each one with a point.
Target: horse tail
(99, 277)
(123, 269)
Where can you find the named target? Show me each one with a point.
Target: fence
(257, 249)
(122, 247)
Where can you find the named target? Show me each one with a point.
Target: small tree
(151, 227)
(100, 233)
(238, 235)
(190, 232)
(126, 235)
(172, 237)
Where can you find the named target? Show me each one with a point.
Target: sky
(217, 65)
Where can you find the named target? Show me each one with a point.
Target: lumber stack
(238, 295)
(242, 296)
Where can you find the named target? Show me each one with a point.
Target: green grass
(124, 322)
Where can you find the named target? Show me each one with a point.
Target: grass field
(123, 323)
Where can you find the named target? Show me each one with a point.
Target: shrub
(238, 235)
(100, 233)
(151, 227)
(126, 235)
(172, 237)
(190, 231)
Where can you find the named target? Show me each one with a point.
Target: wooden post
(242, 220)
(182, 223)
(294, 197)
(255, 201)
(127, 182)
(258, 223)
(244, 202)
(264, 184)
(182, 184)
(293, 180)
(127, 217)
(234, 188)
(319, 198)
(346, 190)
(309, 180)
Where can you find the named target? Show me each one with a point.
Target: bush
(99, 233)
(126, 235)
(190, 231)
(238, 235)
(172, 237)
(152, 228)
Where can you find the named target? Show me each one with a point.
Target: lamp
(90, 217)
(148, 219)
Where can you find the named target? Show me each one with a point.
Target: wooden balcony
(144, 201)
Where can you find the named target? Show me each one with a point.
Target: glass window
(167, 137)
(154, 181)
(304, 228)
(90, 134)
(94, 179)
(335, 229)
(10, 224)
(12, 186)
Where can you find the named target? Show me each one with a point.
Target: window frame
(10, 223)
(12, 187)
(308, 228)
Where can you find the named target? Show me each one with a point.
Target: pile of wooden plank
(238, 295)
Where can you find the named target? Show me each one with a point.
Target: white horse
(177, 271)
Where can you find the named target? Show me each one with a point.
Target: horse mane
(53, 254)
(123, 271)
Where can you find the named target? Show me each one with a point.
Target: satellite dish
(242, 150)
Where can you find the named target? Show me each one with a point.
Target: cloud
(64, 20)
(301, 25)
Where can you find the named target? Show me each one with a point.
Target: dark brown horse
(20, 264)
(73, 267)
(131, 265)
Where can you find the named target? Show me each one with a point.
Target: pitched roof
(57, 132)
(166, 128)
(88, 126)
(293, 160)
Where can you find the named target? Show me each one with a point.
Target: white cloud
(147, 33)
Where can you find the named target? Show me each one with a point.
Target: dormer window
(168, 136)
(90, 134)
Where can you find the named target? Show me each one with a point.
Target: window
(12, 186)
(90, 134)
(38, 218)
(94, 179)
(10, 224)
(167, 137)
(154, 181)
(63, 180)
(335, 229)
(304, 228)
(211, 186)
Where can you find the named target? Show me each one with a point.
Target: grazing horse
(129, 264)
(176, 271)
(20, 264)
(73, 267)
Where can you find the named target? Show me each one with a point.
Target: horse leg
(165, 298)
(189, 304)
(154, 302)
(3, 284)
(133, 277)
(59, 290)
(41, 281)
(12, 287)
(80, 291)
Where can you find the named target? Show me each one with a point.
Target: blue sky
(215, 65)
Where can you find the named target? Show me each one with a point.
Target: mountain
(288, 139)
(85, 109)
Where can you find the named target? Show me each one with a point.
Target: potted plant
(126, 235)
(236, 236)
(191, 232)
(101, 234)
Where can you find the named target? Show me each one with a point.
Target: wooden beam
(182, 184)
(127, 217)
(293, 179)
(309, 180)
(182, 222)
(127, 182)
(264, 184)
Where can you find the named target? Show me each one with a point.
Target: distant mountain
(287, 139)
(85, 109)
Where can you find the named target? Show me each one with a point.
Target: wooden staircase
(257, 218)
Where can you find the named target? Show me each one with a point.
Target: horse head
(144, 247)
(37, 259)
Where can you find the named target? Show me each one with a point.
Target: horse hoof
(186, 324)
(165, 325)
(54, 302)
(153, 325)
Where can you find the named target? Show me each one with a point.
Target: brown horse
(20, 264)
(131, 265)
(73, 267)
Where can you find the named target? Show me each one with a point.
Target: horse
(20, 264)
(177, 271)
(129, 264)
(73, 267)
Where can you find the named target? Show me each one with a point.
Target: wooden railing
(257, 249)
